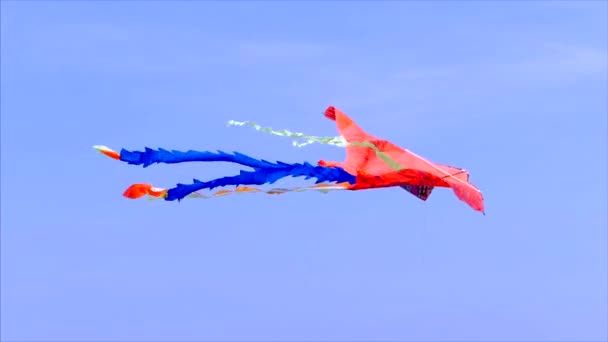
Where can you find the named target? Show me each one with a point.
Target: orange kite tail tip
(107, 151)
(140, 190)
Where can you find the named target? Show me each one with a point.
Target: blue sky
(515, 92)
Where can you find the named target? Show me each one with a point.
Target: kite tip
(107, 151)
(140, 190)
(136, 191)
(330, 113)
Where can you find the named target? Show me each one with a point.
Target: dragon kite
(370, 163)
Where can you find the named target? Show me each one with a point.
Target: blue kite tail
(265, 176)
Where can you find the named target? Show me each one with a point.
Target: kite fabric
(370, 163)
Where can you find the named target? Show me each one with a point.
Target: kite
(370, 163)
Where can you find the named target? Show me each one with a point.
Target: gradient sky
(515, 92)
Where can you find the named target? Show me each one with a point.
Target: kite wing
(366, 158)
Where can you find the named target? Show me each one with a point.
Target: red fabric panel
(371, 171)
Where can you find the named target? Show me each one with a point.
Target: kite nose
(330, 113)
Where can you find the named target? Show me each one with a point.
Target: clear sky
(515, 92)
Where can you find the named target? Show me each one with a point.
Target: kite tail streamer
(263, 176)
(141, 190)
(336, 141)
(150, 156)
(265, 171)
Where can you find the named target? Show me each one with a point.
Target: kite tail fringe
(161, 156)
(264, 171)
(140, 190)
(264, 176)
(309, 139)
